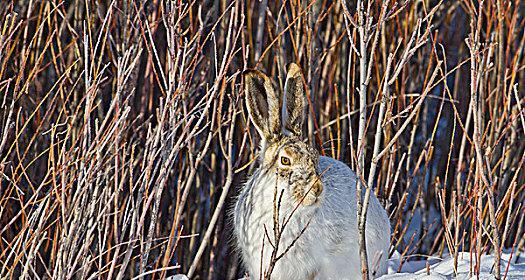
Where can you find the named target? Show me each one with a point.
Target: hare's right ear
(295, 101)
(263, 103)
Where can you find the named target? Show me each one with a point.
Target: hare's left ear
(294, 101)
(264, 104)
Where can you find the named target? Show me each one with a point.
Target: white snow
(444, 269)
(178, 277)
(440, 269)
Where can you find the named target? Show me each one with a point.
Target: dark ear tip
(248, 71)
(251, 73)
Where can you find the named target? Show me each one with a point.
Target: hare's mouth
(312, 200)
(310, 195)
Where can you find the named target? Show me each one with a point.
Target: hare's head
(280, 126)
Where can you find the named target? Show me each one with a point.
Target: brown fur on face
(301, 175)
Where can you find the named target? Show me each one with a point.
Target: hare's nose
(306, 175)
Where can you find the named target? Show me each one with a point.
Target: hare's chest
(295, 247)
(252, 216)
(258, 212)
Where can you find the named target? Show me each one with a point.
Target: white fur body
(329, 246)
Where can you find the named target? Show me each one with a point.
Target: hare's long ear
(263, 103)
(295, 101)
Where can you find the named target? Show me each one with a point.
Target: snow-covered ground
(444, 268)
(440, 269)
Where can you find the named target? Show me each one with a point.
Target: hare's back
(339, 185)
(337, 176)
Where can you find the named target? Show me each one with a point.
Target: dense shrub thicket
(124, 138)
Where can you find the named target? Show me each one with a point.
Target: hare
(307, 199)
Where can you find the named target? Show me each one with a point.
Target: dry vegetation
(124, 138)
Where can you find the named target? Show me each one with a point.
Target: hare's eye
(285, 161)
